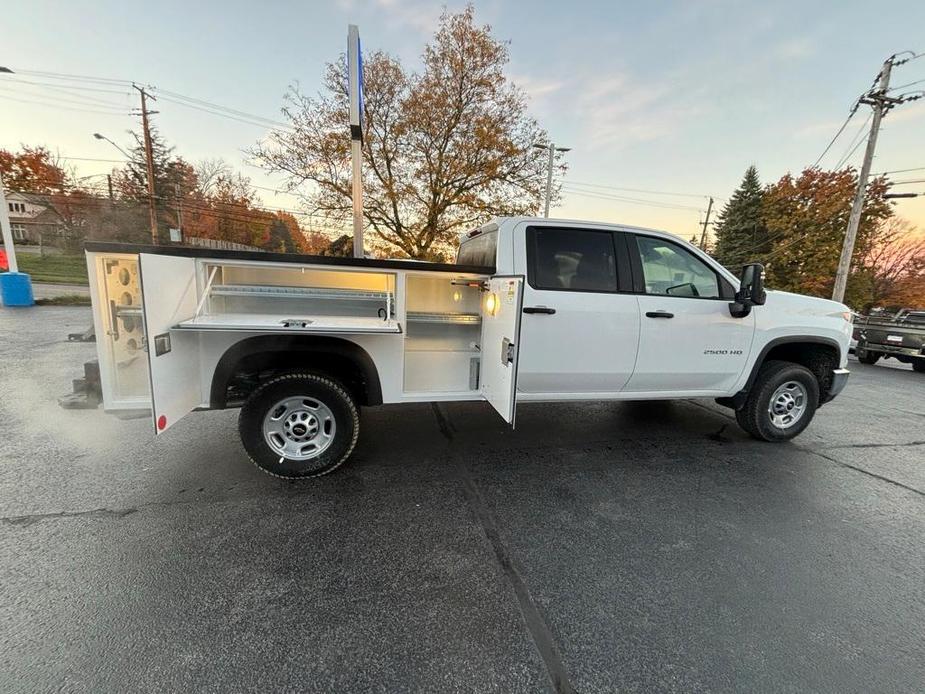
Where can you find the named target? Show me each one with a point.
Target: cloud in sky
(620, 110)
(795, 48)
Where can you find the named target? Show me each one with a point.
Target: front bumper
(839, 381)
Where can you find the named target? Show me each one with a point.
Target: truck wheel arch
(334, 354)
(789, 349)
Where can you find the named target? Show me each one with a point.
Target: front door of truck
(689, 343)
(500, 343)
(581, 319)
(169, 295)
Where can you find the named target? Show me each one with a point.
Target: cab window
(670, 270)
(571, 259)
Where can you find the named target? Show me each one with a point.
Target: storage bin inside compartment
(442, 331)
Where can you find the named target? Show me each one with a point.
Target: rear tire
(918, 365)
(865, 356)
(299, 425)
(781, 403)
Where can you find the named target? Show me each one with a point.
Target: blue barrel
(16, 289)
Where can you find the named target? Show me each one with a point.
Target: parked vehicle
(899, 336)
(532, 310)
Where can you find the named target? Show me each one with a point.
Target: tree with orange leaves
(806, 218)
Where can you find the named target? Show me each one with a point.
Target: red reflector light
(161, 423)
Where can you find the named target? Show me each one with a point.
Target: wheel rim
(788, 404)
(299, 427)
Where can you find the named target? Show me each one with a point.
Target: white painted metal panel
(117, 322)
(501, 310)
(169, 296)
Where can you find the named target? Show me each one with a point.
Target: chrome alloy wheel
(787, 404)
(299, 428)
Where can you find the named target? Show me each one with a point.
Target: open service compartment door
(502, 305)
(169, 295)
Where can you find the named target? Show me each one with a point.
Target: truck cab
(533, 309)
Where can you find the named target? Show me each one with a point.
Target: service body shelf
(250, 322)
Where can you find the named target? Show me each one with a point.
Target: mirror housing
(751, 291)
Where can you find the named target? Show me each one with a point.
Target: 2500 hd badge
(722, 351)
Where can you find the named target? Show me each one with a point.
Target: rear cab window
(479, 249)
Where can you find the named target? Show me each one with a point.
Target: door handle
(539, 309)
(659, 314)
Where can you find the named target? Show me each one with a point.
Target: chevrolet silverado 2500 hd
(532, 310)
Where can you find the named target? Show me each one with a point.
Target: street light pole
(552, 149)
(100, 136)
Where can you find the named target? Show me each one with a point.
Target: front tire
(781, 403)
(299, 425)
(918, 365)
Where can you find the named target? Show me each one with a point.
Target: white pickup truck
(534, 310)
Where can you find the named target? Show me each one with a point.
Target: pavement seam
(839, 462)
(863, 471)
(539, 631)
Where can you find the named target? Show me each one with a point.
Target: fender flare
(737, 400)
(308, 344)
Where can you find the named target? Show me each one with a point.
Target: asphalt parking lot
(597, 548)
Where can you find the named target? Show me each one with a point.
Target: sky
(674, 97)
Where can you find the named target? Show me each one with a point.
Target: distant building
(33, 220)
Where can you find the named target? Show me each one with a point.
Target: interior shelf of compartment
(452, 318)
(281, 292)
(290, 324)
(443, 329)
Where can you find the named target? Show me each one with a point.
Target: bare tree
(443, 150)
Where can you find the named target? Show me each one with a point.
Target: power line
(639, 190)
(854, 109)
(884, 173)
(855, 143)
(218, 107)
(634, 201)
(903, 86)
(72, 92)
(63, 107)
(72, 87)
(77, 78)
(80, 101)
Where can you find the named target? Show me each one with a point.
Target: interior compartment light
(491, 304)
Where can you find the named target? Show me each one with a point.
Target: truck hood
(803, 304)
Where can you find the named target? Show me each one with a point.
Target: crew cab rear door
(500, 344)
(169, 295)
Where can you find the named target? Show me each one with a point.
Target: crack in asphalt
(813, 451)
(863, 471)
(876, 445)
(92, 513)
(539, 631)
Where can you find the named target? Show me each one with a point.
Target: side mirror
(751, 291)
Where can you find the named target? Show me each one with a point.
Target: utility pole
(552, 149)
(109, 185)
(179, 209)
(706, 221)
(149, 160)
(881, 103)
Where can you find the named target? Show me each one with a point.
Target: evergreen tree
(741, 233)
